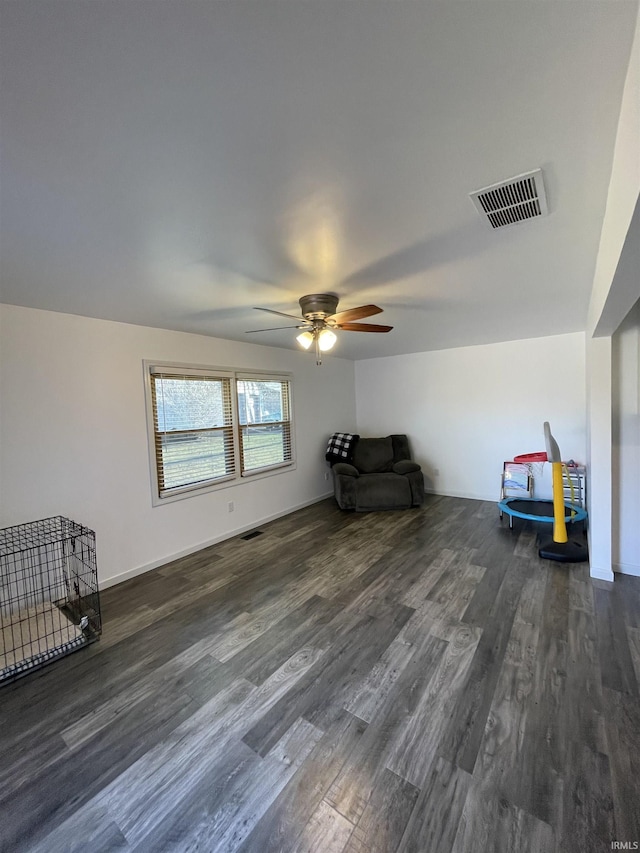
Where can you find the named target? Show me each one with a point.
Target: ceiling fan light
(305, 339)
(326, 340)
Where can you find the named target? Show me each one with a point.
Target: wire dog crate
(49, 600)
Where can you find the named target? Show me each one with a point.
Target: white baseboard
(627, 569)
(601, 574)
(147, 567)
(466, 495)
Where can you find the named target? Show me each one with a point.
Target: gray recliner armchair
(381, 475)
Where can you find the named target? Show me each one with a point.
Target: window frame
(236, 478)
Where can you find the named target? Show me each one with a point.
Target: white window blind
(264, 411)
(193, 430)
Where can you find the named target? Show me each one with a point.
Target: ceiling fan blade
(280, 314)
(274, 329)
(356, 313)
(363, 327)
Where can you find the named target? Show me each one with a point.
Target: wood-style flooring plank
(633, 635)
(582, 716)
(493, 823)
(543, 746)
(178, 673)
(626, 592)
(326, 832)
(616, 662)
(171, 773)
(462, 739)
(89, 829)
(622, 726)
(436, 815)
(279, 828)
(373, 691)
(306, 625)
(384, 820)
(322, 690)
(353, 786)
(232, 798)
(61, 792)
(501, 751)
(414, 746)
(587, 803)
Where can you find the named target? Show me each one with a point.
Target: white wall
(468, 410)
(626, 444)
(622, 199)
(599, 456)
(73, 435)
(616, 287)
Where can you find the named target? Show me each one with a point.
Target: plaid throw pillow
(340, 447)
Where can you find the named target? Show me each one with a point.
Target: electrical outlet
(326, 475)
(436, 472)
(231, 506)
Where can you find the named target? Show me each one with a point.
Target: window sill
(237, 480)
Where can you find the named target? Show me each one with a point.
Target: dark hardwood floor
(413, 681)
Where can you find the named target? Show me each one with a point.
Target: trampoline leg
(510, 522)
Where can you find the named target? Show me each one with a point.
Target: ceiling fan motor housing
(318, 306)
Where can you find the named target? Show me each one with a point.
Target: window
(210, 427)
(265, 423)
(193, 430)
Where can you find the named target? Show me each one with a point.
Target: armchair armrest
(405, 466)
(346, 468)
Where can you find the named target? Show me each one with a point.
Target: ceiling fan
(319, 320)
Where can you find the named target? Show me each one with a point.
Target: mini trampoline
(536, 510)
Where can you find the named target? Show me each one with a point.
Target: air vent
(252, 535)
(512, 201)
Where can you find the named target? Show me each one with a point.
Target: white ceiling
(174, 163)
